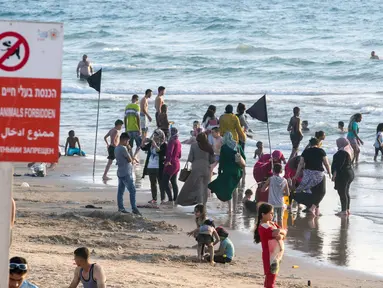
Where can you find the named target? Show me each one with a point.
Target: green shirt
(132, 110)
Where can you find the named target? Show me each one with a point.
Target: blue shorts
(75, 151)
(135, 137)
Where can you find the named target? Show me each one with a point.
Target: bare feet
(341, 214)
(212, 263)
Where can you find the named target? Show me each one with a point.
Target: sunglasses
(23, 267)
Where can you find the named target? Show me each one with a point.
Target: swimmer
(374, 56)
(341, 127)
(259, 151)
(159, 102)
(248, 195)
(295, 130)
(84, 68)
(305, 126)
(72, 140)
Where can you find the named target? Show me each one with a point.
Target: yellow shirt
(230, 123)
(132, 110)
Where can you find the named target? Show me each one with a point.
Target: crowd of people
(217, 142)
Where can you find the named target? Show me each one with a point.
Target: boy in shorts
(114, 136)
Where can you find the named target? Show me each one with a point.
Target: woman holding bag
(231, 164)
(172, 166)
(201, 156)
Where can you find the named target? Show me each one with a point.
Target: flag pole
(95, 142)
(268, 133)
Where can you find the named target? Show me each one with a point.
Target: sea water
(314, 55)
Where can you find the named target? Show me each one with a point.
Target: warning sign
(30, 91)
(17, 48)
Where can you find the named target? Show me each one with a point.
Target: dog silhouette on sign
(9, 45)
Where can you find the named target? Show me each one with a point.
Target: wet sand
(51, 224)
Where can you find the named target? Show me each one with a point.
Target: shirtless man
(144, 113)
(84, 69)
(295, 129)
(159, 101)
(114, 136)
(90, 275)
(374, 56)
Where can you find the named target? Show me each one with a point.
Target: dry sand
(134, 251)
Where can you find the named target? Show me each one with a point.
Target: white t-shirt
(379, 137)
(276, 189)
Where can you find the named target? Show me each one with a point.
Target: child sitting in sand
(193, 133)
(72, 140)
(207, 236)
(259, 151)
(305, 126)
(226, 251)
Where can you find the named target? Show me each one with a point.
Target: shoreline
(58, 195)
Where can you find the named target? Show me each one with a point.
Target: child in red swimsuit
(271, 237)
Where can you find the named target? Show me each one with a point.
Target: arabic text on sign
(31, 134)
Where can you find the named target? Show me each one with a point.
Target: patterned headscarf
(229, 141)
(159, 135)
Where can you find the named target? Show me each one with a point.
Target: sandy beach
(152, 251)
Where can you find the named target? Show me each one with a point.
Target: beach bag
(184, 174)
(239, 160)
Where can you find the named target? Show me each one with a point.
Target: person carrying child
(226, 251)
(72, 140)
(278, 187)
(271, 238)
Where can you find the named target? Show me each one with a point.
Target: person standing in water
(84, 68)
(159, 102)
(132, 123)
(90, 275)
(353, 135)
(113, 134)
(374, 56)
(144, 113)
(295, 129)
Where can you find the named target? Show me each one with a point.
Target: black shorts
(204, 239)
(296, 140)
(111, 152)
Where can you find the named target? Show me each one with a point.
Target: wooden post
(6, 179)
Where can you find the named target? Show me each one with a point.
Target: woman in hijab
(154, 164)
(172, 166)
(263, 167)
(201, 156)
(343, 174)
(229, 171)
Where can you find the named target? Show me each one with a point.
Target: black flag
(95, 81)
(259, 110)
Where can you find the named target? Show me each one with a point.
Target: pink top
(173, 155)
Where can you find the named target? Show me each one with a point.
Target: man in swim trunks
(132, 123)
(85, 68)
(114, 136)
(374, 56)
(144, 113)
(159, 102)
(295, 129)
(90, 275)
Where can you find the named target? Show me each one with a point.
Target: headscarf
(229, 141)
(344, 144)
(203, 144)
(174, 133)
(160, 137)
(277, 155)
